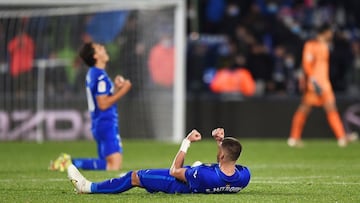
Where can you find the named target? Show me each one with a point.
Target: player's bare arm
(218, 134)
(122, 86)
(176, 168)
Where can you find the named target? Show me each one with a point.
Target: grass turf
(320, 172)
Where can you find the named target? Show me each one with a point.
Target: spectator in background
(21, 50)
(279, 72)
(244, 40)
(256, 22)
(196, 65)
(236, 79)
(161, 62)
(356, 67)
(261, 66)
(226, 51)
(340, 60)
(132, 54)
(283, 72)
(231, 18)
(214, 13)
(291, 79)
(256, 27)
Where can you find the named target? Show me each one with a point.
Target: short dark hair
(232, 148)
(86, 53)
(323, 28)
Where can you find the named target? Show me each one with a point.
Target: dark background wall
(257, 118)
(251, 118)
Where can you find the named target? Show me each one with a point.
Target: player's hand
(218, 134)
(194, 136)
(120, 82)
(316, 85)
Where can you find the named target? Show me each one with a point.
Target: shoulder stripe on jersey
(101, 77)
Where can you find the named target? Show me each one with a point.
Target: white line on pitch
(297, 182)
(35, 180)
(261, 166)
(300, 177)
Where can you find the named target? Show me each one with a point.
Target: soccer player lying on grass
(222, 177)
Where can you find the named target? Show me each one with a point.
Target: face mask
(272, 7)
(224, 50)
(295, 29)
(289, 63)
(233, 11)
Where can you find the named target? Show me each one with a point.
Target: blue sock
(90, 163)
(114, 185)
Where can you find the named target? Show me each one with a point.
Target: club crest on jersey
(102, 86)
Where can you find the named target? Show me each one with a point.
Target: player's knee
(304, 108)
(114, 162)
(330, 107)
(111, 166)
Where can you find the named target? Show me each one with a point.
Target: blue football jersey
(98, 83)
(210, 179)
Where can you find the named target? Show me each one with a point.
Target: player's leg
(109, 150)
(160, 180)
(111, 163)
(91, 163)
(114, 161)
(114, 185)
(112, 151)
(333, 118)
(153, 180)
(335, 123)
(297, 125)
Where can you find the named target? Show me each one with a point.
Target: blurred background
(242, 67)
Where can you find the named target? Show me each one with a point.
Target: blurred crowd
(140, 46)
(229, 42)
(266, 37)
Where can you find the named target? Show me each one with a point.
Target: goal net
(42, 79)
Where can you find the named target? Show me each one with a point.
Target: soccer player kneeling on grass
(102, 95)
(222, 177)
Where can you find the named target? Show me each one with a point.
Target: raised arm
(176, 168)
(218, 134)
(122, 86)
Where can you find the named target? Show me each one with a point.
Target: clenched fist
(120, 81)
(218, 134)
(194, 136)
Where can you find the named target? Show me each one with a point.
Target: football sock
(297, 124)
(336, 124)
(114, 185)
(90, 163)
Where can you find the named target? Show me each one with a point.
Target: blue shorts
(159, 180)
(108, 140)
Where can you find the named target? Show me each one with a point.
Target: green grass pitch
(319, 172)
